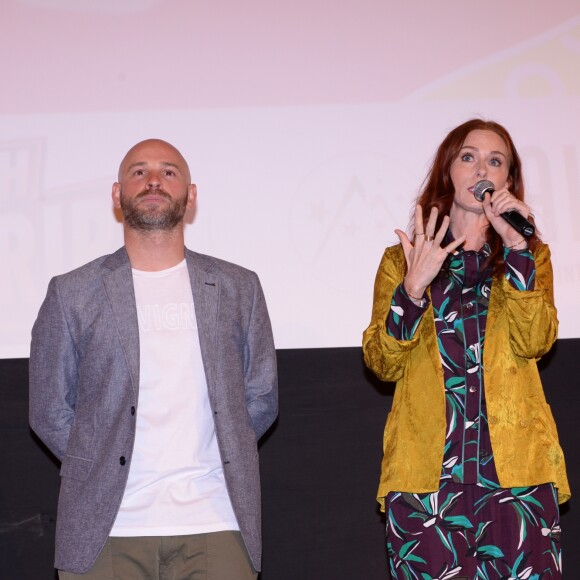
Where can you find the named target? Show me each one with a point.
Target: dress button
(133, 410)
(122, 460)
(469, 305)
(472, 389)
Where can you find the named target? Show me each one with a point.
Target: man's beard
(145, 217)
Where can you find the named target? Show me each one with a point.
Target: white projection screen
(308, 125)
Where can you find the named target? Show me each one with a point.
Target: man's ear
(116, 195)
(191, 195)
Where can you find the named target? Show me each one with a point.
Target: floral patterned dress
(469, 528)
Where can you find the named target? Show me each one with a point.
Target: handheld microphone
(515, 219)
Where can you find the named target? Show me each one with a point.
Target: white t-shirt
(176, 484)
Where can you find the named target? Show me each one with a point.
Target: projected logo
(344, 214)
(545, 67)
(38, 226)
(21, 163)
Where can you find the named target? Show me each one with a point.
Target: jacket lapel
(429, 335)
(494, 309)
(118, 282)
(496, 301)
(205, 288)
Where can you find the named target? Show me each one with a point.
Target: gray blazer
(84, 390)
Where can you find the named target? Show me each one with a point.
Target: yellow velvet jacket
(521, 327)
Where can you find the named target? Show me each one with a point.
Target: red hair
(438, 190)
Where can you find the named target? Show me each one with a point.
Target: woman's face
(484, 155)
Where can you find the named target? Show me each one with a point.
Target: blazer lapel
(496, 301)
(206, 289)
(429, 335)
(495, 307)
(118, 282)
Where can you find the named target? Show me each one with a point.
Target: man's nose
(153, 181)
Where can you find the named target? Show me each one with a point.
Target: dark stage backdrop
(320, 466)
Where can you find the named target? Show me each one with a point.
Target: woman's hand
(426, 256)
(502, 201)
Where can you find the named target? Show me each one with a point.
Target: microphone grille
(481, 187)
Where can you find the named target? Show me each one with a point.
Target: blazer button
(133, 410)
(122, 460)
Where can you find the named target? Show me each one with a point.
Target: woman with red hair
(473, 471)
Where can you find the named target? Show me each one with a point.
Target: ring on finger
(429, 238)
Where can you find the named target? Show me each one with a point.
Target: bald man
(152, 377)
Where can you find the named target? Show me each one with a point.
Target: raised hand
(426, 255)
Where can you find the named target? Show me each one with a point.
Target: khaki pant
(214, 556)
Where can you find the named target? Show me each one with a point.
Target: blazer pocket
(76, 467)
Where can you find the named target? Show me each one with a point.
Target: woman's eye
(495, 162)
(466, 157)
